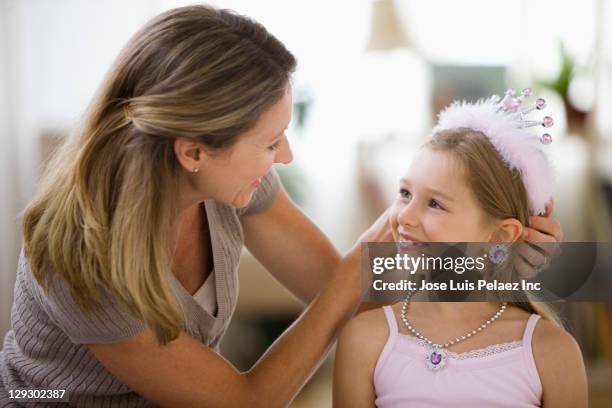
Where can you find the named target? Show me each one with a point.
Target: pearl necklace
(437, 353)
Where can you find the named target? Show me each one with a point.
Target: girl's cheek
(434, 227)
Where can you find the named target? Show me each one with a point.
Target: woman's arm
(561, 368)
(187, 374)
(290, 247)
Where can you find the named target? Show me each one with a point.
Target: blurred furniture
(386, 31)
(464, 82)
(260, 293)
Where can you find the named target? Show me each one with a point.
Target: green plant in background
(293, 180)
(291, 175)
(301, 107)
(561, 83)
(568, 73)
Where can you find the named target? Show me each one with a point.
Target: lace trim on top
(478, 353)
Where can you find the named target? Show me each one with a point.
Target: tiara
(504, 121)
(510, 105)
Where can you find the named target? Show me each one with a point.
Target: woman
(127, 280)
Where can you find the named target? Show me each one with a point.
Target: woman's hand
(350, 269)
(542, 239)
(379, 231)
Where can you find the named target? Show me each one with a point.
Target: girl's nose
(409, 215)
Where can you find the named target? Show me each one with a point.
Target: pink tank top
(502, 375)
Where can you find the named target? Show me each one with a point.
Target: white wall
(8, 170)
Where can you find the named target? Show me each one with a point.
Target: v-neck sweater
(46, 346)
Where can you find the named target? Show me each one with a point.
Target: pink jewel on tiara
(506, 102)
(510, 106)
(524, 94)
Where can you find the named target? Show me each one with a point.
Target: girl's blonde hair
(498, 189)
(102, 215)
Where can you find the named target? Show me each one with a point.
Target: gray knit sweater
(45, 347)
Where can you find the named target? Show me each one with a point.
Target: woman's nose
(284, 154)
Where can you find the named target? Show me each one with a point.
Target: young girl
(478, 179)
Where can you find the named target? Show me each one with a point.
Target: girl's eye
(275, 146)
(405, 193)
(435, 204)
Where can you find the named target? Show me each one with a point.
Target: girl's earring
(195, 169)
(498, 253)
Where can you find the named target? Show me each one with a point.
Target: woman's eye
(275, 146)
(405, 193)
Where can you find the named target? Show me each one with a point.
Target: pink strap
(386, 351)
(390, 320)
(529, 328)
(528, 353)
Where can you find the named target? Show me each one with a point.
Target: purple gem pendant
(435, 358)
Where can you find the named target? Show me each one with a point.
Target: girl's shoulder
(370, 323)
(365, 334)
(553, 346)
(560, 365)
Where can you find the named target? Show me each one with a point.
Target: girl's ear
(507, 230)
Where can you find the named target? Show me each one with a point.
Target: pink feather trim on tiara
(506, 128)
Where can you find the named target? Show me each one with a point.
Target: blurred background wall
(371, 77)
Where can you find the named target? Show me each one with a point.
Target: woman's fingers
(549, 208)
(533, 256)
(380, 230)
(545, 234)
(542, 243)
(540, 227)
(524, 269)
(547, 244)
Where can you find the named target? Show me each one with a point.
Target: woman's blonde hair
(102, 215)
(498, 189)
